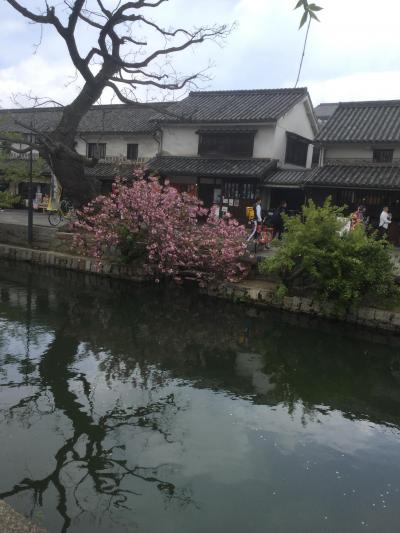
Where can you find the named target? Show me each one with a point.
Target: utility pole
(30, 195)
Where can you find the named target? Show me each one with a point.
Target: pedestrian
(384, 220)
(277, 220)
(257, 219)
(357, 218)
(214, 213)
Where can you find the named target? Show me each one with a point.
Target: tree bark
(68, 165)
(78, 188)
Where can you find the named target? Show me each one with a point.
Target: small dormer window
(296, 150)
(382, 156)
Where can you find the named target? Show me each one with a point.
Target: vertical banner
(55, 193)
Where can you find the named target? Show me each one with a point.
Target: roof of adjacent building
(258, 105)
(338, 176)
(359, 122)
(325, 111)
(211, 167)
(117, 118)
(346, 176)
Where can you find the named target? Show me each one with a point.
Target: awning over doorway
(287, 178)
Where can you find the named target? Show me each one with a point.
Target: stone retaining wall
(68, 262)
(257, 292)
(44, 238)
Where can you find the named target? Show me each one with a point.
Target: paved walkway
(20, 218)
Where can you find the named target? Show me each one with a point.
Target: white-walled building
(360, 157)
(118, 135)
(223, 145)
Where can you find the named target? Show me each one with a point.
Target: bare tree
(120, 59)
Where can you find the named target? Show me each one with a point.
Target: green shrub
(315, 257)
(8, 200)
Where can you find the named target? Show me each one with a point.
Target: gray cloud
(352, 54)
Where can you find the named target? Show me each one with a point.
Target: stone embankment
(67, 261)
(263, 294)
(13, 522)
(53, 248)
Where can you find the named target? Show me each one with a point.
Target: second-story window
(30, 137)
(96, 150)
(296, 150)
(226, 144)
(382, 156)
(132, 151)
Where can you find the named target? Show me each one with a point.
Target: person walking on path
(384, 220)
(256, 220)
(358, 217)
(277, 220)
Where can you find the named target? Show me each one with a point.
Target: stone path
(13, 522)
(20, 218)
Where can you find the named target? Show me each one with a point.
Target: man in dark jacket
(277, 220)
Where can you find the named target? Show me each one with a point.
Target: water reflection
(102, 422)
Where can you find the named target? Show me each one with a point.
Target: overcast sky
(353, 54)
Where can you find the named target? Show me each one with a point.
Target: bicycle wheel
(66, 206)
(54, 218)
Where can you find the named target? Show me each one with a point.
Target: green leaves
(315, 258)
(309, 11)
(303, 19)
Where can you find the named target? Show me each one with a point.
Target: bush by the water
(169, 233)
(317, 257)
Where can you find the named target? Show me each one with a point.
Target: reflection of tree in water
(146, 337)
(110, 476)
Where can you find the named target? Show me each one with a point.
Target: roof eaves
(115, 132)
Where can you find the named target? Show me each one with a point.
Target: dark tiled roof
(325, 111)
(118, 118)
(262, 105)
(211, 167)
(368, 177)
(363, 122)
(287, 178)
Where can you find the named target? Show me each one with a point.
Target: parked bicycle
(66, 211)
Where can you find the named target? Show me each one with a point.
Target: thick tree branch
(119, 58)
(42, 19)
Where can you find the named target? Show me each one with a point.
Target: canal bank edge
(13, 522)
(255, 292)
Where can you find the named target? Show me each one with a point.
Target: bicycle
(66, 211)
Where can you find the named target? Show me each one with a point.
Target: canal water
(129, 408)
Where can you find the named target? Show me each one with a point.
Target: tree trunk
(70, 170)
(77, 187)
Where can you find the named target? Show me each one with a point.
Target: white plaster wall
(116, 144)
(264, 141)
(297, 121)
(180, 140)
(354, 151)
(183, 140)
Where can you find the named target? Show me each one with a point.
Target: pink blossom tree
(180, 239)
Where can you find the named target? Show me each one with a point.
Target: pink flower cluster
(181, 238)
